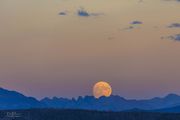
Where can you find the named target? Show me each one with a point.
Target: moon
(102, 89)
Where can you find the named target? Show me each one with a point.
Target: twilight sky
(48, 49)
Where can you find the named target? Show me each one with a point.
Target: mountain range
(16, 100)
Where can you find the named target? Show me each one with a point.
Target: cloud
(136, 22)
(63, 13)
(129, 28)
(174, 25)
(133, 25)
(173, 37)
(83, 13)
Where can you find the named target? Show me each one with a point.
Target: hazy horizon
(76, 97)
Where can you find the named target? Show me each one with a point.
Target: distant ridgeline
(15, 100)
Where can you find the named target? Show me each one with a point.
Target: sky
(63, 47)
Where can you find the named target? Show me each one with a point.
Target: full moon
(102, 89)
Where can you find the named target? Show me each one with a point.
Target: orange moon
(102, 89)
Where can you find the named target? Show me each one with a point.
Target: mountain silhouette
(15, 100)
(113, 103)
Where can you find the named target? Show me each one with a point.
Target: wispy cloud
(63, 13)
(136, 22)
(129, 28)
(175, 37)
(84, 13)
(174, 25)
(81, 12)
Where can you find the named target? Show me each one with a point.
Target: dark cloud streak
(174, 25)
(136, 22)
(83, 13)
(175, 37)
(63, 13)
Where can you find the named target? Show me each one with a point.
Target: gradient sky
(43, 53)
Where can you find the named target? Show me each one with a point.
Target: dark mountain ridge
(113, 103)
(15, 100)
